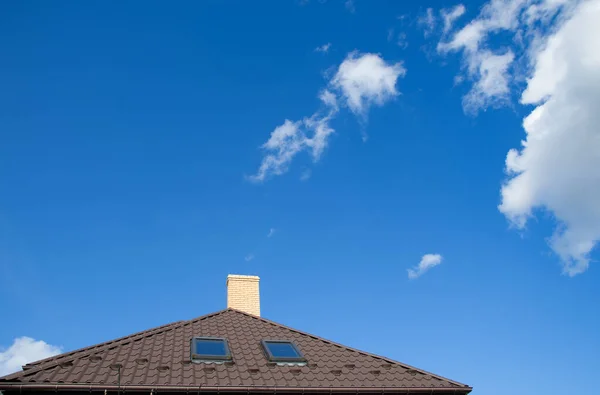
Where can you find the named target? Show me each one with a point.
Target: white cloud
(490, 71)
(451, 15)
(366, 79)
(557, 167)
(495, 16)
(554, 50)
(323, 48)
(361, 80)
(427, 262)
(25, 350)
(271, 232)
(249, 257)
(427, 21)
(329, 99)
(491, 86)
(285, 142)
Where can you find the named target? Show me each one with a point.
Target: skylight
(210, 349)
(282, 351)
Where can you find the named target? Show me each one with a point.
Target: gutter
(56, 387)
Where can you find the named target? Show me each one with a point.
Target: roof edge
(101, 345)
(295, 390)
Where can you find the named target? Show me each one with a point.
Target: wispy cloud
(25, 350)
(489, 70)
(428, 261)
(427, 22)
(401, 40)
(349, 4)
(249, 257)
(291, 138)
(361, 80)
(323, 48)
(491, 87)
(271, 232)
(451, 15)
(305, 175)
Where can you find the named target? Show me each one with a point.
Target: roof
(159, 359)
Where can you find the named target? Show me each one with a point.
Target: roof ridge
(393, 361)
(86, 351)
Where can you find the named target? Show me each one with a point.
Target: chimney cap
(242, 277)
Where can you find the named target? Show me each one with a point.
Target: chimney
(242, 293)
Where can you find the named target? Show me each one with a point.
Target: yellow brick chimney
(243, 294)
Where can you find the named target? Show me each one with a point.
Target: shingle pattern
(161, 357)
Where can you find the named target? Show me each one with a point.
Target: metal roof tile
(160, 357)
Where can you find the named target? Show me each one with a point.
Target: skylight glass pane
(282, 350)
(210, 348)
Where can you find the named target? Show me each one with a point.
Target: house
(231, 351)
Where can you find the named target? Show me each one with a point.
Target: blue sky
(130, 146)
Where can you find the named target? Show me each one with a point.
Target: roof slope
(160, 358)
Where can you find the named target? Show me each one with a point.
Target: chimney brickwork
(243, 293)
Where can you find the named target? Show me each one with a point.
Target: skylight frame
(273, 358)
(208, 357)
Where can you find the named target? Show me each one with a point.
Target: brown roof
(159, 359)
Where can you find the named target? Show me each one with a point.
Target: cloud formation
(554, 51)
(401, 40)
(427, 21)
(323, 48)
(491, 87)
(557, 167)
(428, 261)
(366, 79)
(361, 80)
(451, 15)
(24, 350)
(271, 232)
(488, 69)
